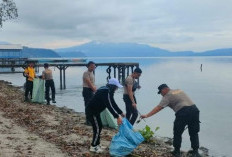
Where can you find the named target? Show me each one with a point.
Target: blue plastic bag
(126, 140)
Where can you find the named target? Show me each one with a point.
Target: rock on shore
(30, 129)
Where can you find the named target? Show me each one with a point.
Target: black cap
(162, 86)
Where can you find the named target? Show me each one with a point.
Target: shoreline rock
(64, 128)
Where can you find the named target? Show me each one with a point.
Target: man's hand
(134, 105)
(94, 88)
(119, 120)
(143, 116)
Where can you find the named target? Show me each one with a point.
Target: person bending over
(187, 114)
(103, 98)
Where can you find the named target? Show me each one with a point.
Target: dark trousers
(187, 116)
(131, 112)
(29, 89)
(49, 84)
(87, 93)
(95, 120)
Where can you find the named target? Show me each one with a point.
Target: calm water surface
(209, 89)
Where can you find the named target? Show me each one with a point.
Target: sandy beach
(30, 129)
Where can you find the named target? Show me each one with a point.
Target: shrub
(147, 133)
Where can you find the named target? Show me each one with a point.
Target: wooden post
(132, 69)
(119, 73)
(64, 76)
(60, 68)
(115, 71)
(127, 73)
(64, 83)
(123, 74)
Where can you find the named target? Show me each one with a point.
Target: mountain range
(99, 49)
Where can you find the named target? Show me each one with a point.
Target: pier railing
(117, 70)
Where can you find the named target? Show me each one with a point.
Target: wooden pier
(116, 70)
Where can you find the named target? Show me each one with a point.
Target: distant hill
(217, 52)
(72, 54)
(98, 49)
(101, 49)
(38, 53)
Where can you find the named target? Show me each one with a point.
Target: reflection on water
(209, 89)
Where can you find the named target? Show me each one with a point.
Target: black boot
(48, 102)
(176, 153)
(26, 100)
(195, 153)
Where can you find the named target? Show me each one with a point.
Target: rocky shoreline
(30, 129)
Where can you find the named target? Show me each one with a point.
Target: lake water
(210, 90)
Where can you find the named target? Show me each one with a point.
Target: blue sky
(175, 25)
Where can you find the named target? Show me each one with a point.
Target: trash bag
(108, 120)
(126, 140)
(38, 94)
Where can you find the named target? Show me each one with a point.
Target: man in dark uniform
(186, 114)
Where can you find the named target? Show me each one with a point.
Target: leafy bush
(147, 133)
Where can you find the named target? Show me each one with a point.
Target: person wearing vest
(187, 114)
(49, 83)
(29, 73)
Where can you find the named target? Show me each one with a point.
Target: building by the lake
(10, 51)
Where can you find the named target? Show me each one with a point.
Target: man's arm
(154, 111)
(109, 104)
(131, 95)
(43, 75)
(25, 72)
(112, 107)
(34, 73)
(90, 84)
(115, 106)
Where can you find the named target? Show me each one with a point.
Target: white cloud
(174, 25)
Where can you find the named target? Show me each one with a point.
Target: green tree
(8, 11)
